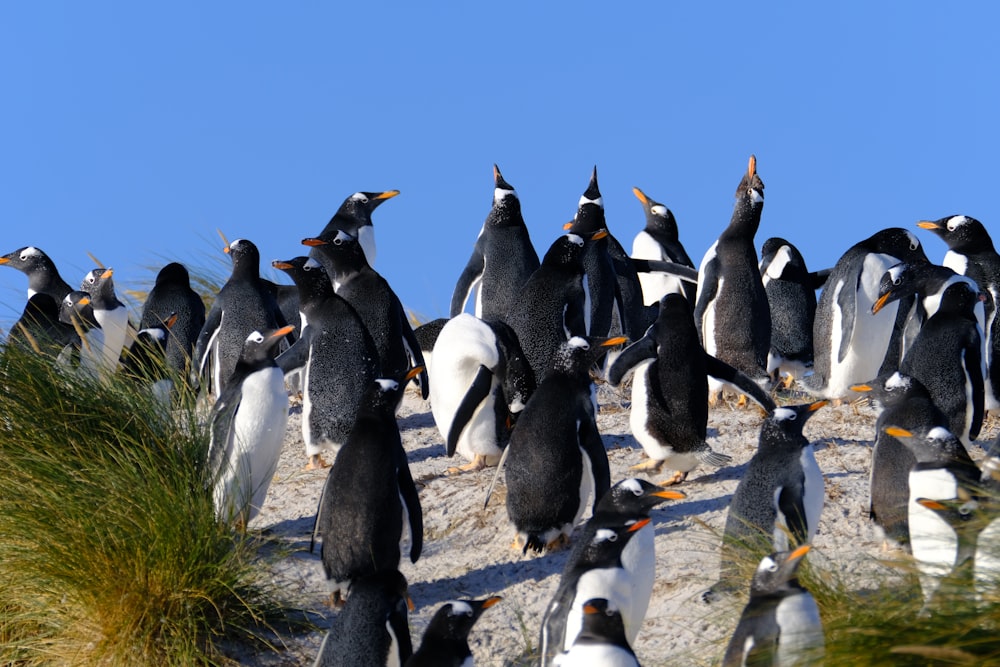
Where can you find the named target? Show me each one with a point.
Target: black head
(258, 348)
(384, 394)
(173, 273)
(602, 624)
(896, 242)
(751, 188)
(589, 217)
(891, 389)
(76, 309)
(454, 619)
(100, 285)
(783, 427)
(962, 233)
(898, 282)
(610, 538)
(339, 248)
(635, 497)
(567, 250)
(578, 354)
(28, 259)
(960, 299)
(674, 306)
(659, 218)
(356, 211)
(308, 275)
(777, 572)
(929, 444)
(506, 205)
(245, 257)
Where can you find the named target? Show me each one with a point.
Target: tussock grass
(110, 552)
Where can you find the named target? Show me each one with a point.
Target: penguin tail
(533, 542)
(714, 459)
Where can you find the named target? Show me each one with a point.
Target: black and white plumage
(172, 296)
(248, 427)
(39, 328)
(669, 412)
(601, 641)
(445, 642)
(355, 217)
(731, 312)
(111, 316)
(780, 625)
(146, 360)
(43, 276)
(503, 258)
(660, 240)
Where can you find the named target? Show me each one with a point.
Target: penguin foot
(713, 398)
(649, 465)
(335, 600)
(678, 477)
(561, 541)
(478, 462)
(518, 543)
(316, 462)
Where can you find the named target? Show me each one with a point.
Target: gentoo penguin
(248, 426)
(111, 316)
(372, 298)
(601, 640)
(86, 354)
(971, 253)
(41, 271)
(482, 383)
(612, 281)
(555, 457)
(372, 628)
(39, 328)
(172, 296)
(659, 240)
(779, 499)
(669, 413)
(427, 335)
(446, 640)
(850, 343)
(943, 471)
(355, 217)
(965, 518)
(791, 297)
(731, 313)
(369, 495)
(903, 401)
(553, 305)
(780, 625)
(244, 304)
(146, 361)
(596, 568)
(502, 259)
(337, 356)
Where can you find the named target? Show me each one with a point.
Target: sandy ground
(467, 550)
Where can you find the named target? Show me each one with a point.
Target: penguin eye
(772, 567)
(897, 281)
(914, 245)
(338, 241)
(613, 537)
(24, 256)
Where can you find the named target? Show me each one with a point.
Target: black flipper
(474, 396)
(685, 273)
(723, 371)
(593, 447)
(408, 491)
(637, 352)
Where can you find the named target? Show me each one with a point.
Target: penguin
(427, 335)
(172, 296)
(146, 361)
(336, 354)
(780, 625)
(86, 353)
(553, 305)
(39, 328)
(372, 629)
(905, 402)
(943, 471)
(850, 344)
(971, 253)
(372, 298)
(669, 411)
(244, 304)
(445, 642)
(248, 427)
(779, 499)
(43, 276)
(596, 567)
(483, 383)
(355, 217)
(612, 282)
(965, 518)
(601, 640)
(555, 457)
(369, 494)
(731, 312)
(503, 258)
(111, 315)
(791, 298)
(659, 240)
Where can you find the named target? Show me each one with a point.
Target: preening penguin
(659, 240)
(601, 640)
(446, 640)
(355, 217)
(43, 276)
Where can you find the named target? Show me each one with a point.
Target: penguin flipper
(408, 492)
(474, 396)
(472, 274)
(723, 371)
(552, 635)
(637, 352)
(974, 369)
(713, 458)
(816, 279)
(708, 289)
(847, 301)
(319, 513)
(593, 447)
(412, 346)
(791, 505)
(223, 415)
(295, 357)
(206, 338)
(686, 273)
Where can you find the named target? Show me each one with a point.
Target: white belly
(613, 585)
(932, 540)
(801, 631)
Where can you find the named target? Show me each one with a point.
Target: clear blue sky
(134, 130)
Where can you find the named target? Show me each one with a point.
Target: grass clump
(110, 552)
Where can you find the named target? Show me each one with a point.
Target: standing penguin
(601, 640)
(502, 259)
(248, 426)
(146, 361)
(39, 328)
(791, 297)
(669, 413)
(971, 253)
(43, 277)
(244, 304)
(111, 315)
(556, 457)
(369, 495)
(482, 383)
(355, 217)
(336, 354)
(851, 344)
(659, 240)
(372, 298)
(780, 625)
(446, 640)
(778, 502)
(172, 296)
(731, 313)
(372, 629)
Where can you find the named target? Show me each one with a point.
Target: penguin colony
(512, 391)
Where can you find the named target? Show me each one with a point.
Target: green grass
(109, 549)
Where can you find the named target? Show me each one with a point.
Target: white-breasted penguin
(369, 496)
(248, 427)
(172, 295)
(850, 344)
(43, 276)
(445, 642)
(731, 312)
(669, 412)
(780, 625)
(601, 640)
(503, 258)
(355, 217)
(481, 384)
(778, 502)
(111, 315)
(659, 240)
(555, 458)
(337, 357)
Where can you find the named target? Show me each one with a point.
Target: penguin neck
(745, 221)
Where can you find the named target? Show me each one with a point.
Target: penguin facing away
(43, 276)
(355, 217)
(669, 412)
(446, 640)
(248, 427)
(659, 240)
(780, 625)
(503, 258)
(172, 296)
(601, 640)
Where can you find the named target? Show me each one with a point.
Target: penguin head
(340, 246)
(893, 388)
(611, 534)
(777, 571)
(454, 619)
(384, 394)
(674, 306)
(173, 273)
(589, 216)
(751, 188)
(896, 242)
(899, 281)
(659, 218)
(308, 275)
(780, 260)
(258, 348)
(77, 310)
(101, 287)
(960, 299)
(635, 497)
(962, 233)
(929, 444)
(578, 354)
(567, 250)
(784, 425)
(960, 513)
(245, 257)
(27, 259)
(602, 622)
(356, 210)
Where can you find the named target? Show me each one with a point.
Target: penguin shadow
(416, 420)
(288, 535)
